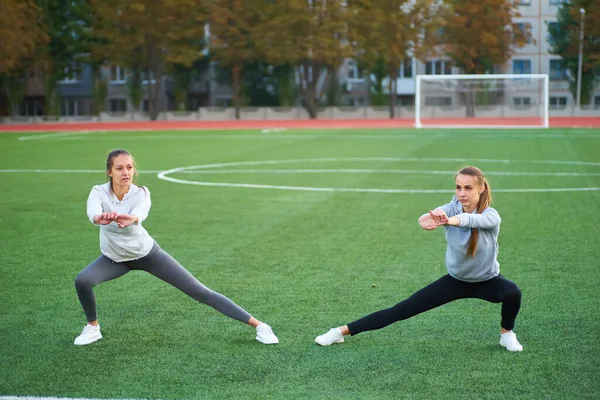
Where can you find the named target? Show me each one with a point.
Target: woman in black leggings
(472, 228)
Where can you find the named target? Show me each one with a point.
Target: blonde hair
(485, 200)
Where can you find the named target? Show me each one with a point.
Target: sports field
(305, 229)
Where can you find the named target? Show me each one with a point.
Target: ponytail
(485, 200)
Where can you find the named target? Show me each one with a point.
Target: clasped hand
(434, 219)
(122, 220)
(439, 217)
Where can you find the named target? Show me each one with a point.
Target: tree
(310, 35)
(564, 41)
(135, 86)
(151, 34)
(477, 36)
(22, 33)
(233, 35)
(64, 54)
(386, 32)
(182, 77)
(287, 90)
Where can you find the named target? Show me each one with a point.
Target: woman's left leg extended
(440, 292)
(160, 264)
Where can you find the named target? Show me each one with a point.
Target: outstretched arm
(488, 219)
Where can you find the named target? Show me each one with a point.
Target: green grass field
(303, 261)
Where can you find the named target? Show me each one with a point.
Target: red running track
(555, 122)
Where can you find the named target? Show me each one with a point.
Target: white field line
(52, 398)
(359, 190)
(375, 171)
(165, 176)
(59, 134)
(67, 171)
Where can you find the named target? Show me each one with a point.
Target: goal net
(481, 101)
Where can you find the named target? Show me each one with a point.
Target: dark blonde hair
(110, 160)
(485, 200)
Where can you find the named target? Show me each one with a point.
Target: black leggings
(442, 291)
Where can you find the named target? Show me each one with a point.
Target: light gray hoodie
(484, 265)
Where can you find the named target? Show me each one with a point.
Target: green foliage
(99, 91)
(135, 87)
(564, 38)
(22, 34)
(312, 36)
(287, 90)
(259, 85)
(477, 36)
(152, 35)
(182, 77)
(334, 91)
(14, 89)
(377, 90)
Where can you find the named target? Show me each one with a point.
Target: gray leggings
(160, 264)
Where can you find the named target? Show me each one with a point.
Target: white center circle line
(164, 175)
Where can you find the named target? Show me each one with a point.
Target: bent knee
(513, 293)
(83, 282)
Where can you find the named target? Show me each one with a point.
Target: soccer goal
(481, 101)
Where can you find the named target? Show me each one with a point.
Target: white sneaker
(509, 340)
(334, 335)
(90, 334)
(264, 334)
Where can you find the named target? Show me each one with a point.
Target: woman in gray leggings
(118, 208)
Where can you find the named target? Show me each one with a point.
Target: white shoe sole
(512, 350)
(89, 341)
(272, 341)
(328, 344)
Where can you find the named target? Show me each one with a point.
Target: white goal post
(482, 101)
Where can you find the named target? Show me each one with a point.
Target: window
(406, 70)
(145, 105)
(117, 74)
(557, 71)
(34, 74)
(118, 105)
(355, 73)
(597, 102)
(438, 68)
(68, 107)
(557, 2)
(525, 28)
(558, 102)
(521, 102)
(438, 101)
(72, 75)
(440, 33)
(553, 30)
(521, 66)
(145, 79)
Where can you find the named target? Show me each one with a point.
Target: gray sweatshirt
(484, 265)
